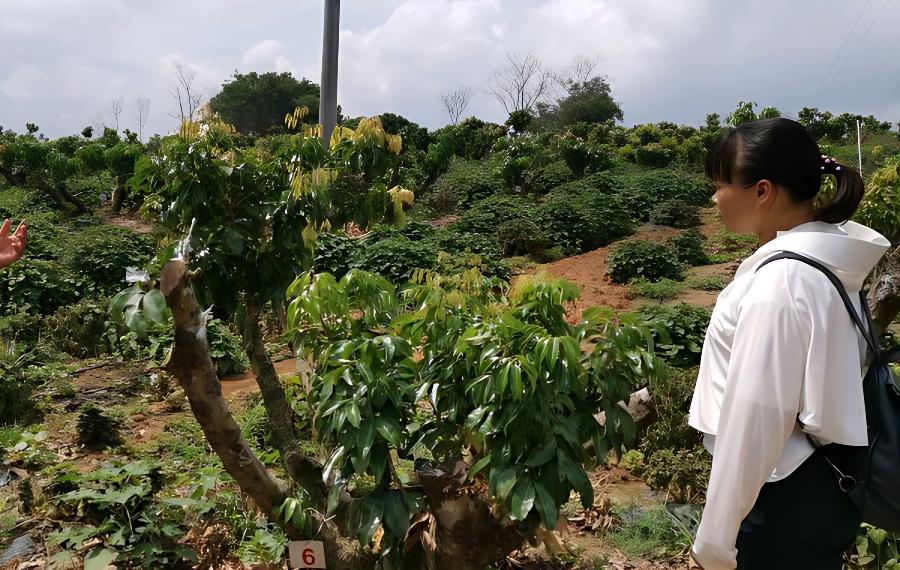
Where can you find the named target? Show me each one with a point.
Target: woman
(12, 247)
(782, 357)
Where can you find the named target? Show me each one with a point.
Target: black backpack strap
(866, 332)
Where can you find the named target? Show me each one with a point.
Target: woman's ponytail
(848, 192)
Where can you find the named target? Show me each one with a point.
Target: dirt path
(236, 386)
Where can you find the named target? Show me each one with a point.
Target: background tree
(588, 101)
(185, 94)
(115, 110)
(456, 102)
(257, 103)
(521, 83)
(143, 111)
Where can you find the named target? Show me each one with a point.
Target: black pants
(802, 522)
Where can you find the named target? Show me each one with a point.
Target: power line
(843, 45)
(858, 43)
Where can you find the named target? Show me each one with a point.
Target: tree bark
(884, 294)
(118, 198)
(191, 364)
(302, 469)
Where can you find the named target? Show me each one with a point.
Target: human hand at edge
(12, 247)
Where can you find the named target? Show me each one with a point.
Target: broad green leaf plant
(463, 367)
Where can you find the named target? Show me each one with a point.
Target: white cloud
(62, 62)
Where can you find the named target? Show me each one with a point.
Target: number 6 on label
(306, 554)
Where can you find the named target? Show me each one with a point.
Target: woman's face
(739, 206)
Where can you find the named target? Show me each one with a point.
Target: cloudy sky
(62, 62)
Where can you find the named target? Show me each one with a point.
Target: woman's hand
(12, 246)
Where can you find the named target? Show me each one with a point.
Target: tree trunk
(191, 364)
(118, 198)
(884, 295)
(302, 469)
(470, 536)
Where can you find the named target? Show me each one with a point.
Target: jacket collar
(850, 249)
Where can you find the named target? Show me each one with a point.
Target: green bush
(688, 247)
(685, 327)
(653, 154)
(17, 202)
(647, 189)
(485, 216)
(38, 287)
(99, 254)
(639, 258)
(660, 291)
(91, 188)
(15, 399)
(226, 348)
(335, 254)
(46, 236)
(520, 236)
(80, 329)
(464, 183)
(396, 257)
(545, 178)
(675, 459)
(676, 213)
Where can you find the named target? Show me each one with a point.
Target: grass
(661, 290)
(649, 533)
(707, 282)
(725, 246)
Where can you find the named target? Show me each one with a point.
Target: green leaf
(396, 517)
(478, 466)
(154, 306)
(542, 454)
(503, 481)
(364, 439)
(99, 559)
(546, 506)
(334, 499)
(522, 499)
(389, 430)
(334, 461)
(369, 519)
(353, 414)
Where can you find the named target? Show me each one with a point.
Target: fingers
(4, 231)
(22, 231)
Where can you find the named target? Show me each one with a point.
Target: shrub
(688, 247)
(38, 287)
(685, 327)
(639, 258)
(397, 257)
(99, 255)
(15, 398)
(520, 236)
(91, 189)
(464, 183)
(98, 429)
(650, 188)
(676, 213)
(17, 202)
(675, 457)
(660, 291)
(485, 216)
(226, 348)
(335, 254)
(80, 329)
(653, 154)
(545, 178)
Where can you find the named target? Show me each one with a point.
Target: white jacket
(780, 343)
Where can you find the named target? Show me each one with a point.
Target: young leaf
(522, 499)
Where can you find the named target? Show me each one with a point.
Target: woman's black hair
(784, 152)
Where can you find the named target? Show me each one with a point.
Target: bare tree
(456, 102)
(143, 106)
(115, 109)
(185, 94)
(520, 84)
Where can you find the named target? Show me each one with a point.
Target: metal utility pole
(328, 92)
(859, 146)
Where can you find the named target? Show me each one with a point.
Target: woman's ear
(765, 190)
